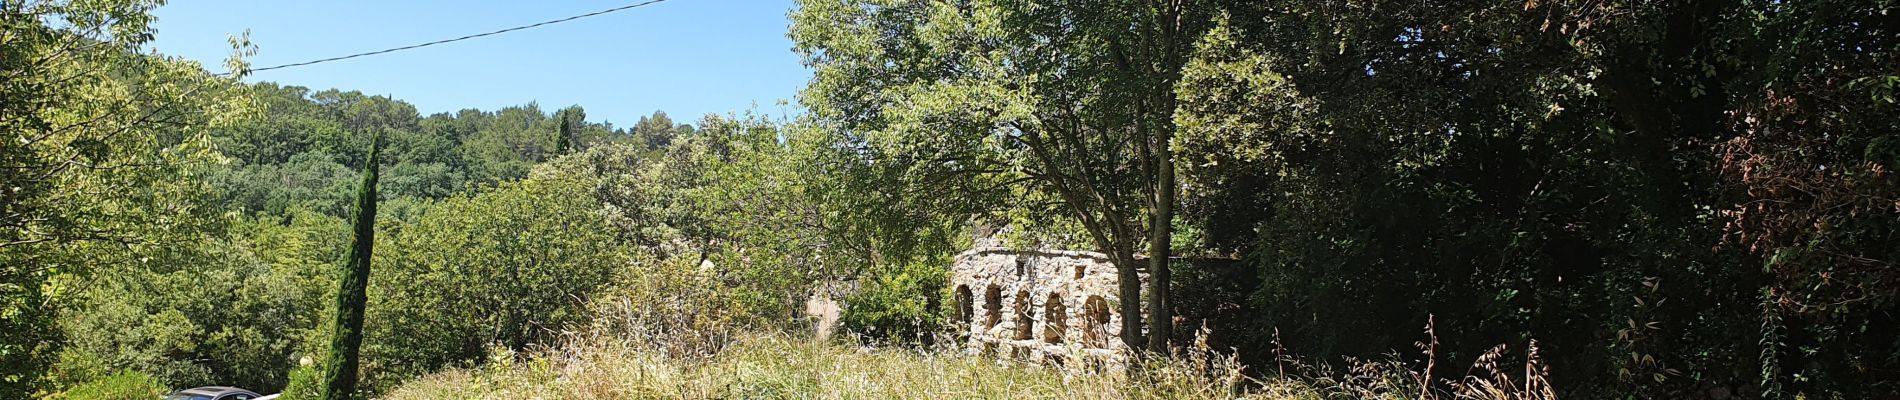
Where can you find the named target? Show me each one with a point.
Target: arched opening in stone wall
(992, 307)
(1055, 319)
(1024, 325)
(1095, 322)
(965, 309)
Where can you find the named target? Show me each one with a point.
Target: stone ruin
(1044, 306)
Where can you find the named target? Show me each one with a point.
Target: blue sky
(686, 57)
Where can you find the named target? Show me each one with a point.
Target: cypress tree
(339, 375)
(563, 142)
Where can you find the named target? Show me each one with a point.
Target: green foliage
(307, 181)
(105, 269)
(509, 266)
(346, 338)
(1672, 199)
(306, 382)
(267, 229)
(1073, 100)
(657, 131)
(98, 143)
(1557, 171)
(124, 385)
(234, 320)
(674, 307)
(889, 304)
(238, 316)
(766, 205)
(564, 133)
(305, 151)
(1587, 174)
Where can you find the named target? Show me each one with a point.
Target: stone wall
(1049, 306)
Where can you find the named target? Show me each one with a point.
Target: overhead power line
(413, 46)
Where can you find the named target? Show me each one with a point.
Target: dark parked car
(213, 393)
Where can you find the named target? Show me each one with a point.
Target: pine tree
(339, 375)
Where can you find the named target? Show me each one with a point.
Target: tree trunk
(1156, 116)
(1128, 280)
(1160, 318)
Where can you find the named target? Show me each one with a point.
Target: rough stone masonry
(1046, 306)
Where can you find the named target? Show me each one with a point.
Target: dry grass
(670, 332)
(671, 335)
(777, 367)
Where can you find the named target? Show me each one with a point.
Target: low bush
(672, 308)
(124, 385)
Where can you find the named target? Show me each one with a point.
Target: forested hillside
(204, 254)
(1655, 199)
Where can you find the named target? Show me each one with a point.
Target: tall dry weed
(673, 333)
(1487, 378)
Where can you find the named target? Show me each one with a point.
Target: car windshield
(186, 396)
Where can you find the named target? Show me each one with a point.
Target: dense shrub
(238, 317)
(900, 303)
(511, 266)
(674, 308)
(123, 385)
